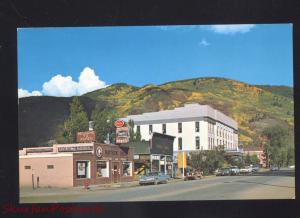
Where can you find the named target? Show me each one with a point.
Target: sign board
(81, 169)
(99, 151)
(181, 163)
(119, 123)
(75, 148)
(136, 157)
(155, 157)
(122, 135)
(88, 136)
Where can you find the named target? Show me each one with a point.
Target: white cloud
(65, 86)
(232, 29)
(22, 93)
(89, 81)
(203, 42)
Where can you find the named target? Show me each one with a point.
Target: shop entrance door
(116, 172)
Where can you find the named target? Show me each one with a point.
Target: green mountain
(253, 107)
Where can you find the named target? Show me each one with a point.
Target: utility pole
(183, 165)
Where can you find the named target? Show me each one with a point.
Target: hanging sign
(119, 123)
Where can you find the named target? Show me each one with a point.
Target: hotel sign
(119, 123)
(88, 136)
(75, 148)
(122, 135)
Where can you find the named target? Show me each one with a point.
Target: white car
(245, 170)
(292, 167)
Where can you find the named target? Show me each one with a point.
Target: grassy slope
(251, 106)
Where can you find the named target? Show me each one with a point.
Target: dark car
(223, 172)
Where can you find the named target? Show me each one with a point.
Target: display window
(83, 169)
(102, 169)
(127, 168)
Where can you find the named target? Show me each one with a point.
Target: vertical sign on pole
(183, 164)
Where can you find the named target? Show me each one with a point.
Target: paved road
(267, 185)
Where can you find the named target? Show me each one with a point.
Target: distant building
(259, 152)
(194, 126)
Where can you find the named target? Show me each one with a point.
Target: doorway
(116, 172)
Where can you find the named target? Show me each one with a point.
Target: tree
(103, 124)
(76, 122)
(247, 159)
(277, 147)
(131, 130)
(208, 161)
(254, 159)
(133, 137)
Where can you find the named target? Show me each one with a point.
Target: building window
(179, 143)
(179, 127)
(27, 167)
(197, 128)
(127, 168)
(217, 131)
(102, 169)
(197, 142)
(164, 128)
(83, 169)
(50, 167)
(150, 129)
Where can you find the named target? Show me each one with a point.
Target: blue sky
(73, 61)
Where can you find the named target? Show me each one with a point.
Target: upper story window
(164, 128)
(197, 127)
(179, 143)
(179, 127)
(27, 167)
(150, 129)
(197, 142)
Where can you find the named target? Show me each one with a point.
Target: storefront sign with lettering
(122, 135)
(88, 136)
(75, 148)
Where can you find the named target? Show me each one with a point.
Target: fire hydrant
(86, 185)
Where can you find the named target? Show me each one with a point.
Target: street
(264, 185)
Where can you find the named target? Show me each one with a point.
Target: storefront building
(67, 165)
(155, 155)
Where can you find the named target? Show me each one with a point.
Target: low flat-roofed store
(66, 165)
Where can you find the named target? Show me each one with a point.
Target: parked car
(292, 167)
(154, 178)
(190, 176)
(234, 170)
(223, 172)
(274, 168)
(255, 168)
(246, 170)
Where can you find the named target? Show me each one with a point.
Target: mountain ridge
(254, 107)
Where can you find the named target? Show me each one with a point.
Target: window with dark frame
(27, 167)
(179, 127)
(81, 169)
(197, 142)
(49, 167)
(179, 143)
(150, 129)
(197, 129)
(164, 128)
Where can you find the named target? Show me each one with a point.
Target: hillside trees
(279, 150)
(103, 124)
(76, 122)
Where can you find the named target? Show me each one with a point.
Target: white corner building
(195, 126)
